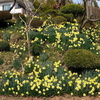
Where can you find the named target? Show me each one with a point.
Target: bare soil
(64, 97)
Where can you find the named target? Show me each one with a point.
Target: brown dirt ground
(64, 97)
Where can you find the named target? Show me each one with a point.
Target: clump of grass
(1, 61)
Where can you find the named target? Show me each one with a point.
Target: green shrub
(11, 22)
(69, 17)
(36, 23)
(60, 14)
(17, 64)
(1, 61)
(4, 46)
(16, 16)
(36, 4)
(7, 36)
(75, 9)
(44, 16)
(81, 58)
(51, 12)
(5, 15)
(43, 57)
(59, 19)
(47, 5)
(36, 49)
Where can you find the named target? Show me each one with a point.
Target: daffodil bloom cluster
(67, 36)
(18, 48)
(1, 39)
(44, 80)
(47, 78)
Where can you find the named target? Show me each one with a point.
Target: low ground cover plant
(41, 76)
(50, 79)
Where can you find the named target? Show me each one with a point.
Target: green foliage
(43, 56)
(81, 58)
(5, 15)
(75, 9)
(59, 19)
(34, 34)
(69, 17)
(17, 64)
(47, 5)
(46, 76)
(4, 46)
(29, 67)
(51, 12)
(36, 4)
(60, 14)
(1, 61)
(36, 49)
(16, 16)
(36, 23)
(50, 79)
(10, 22)
(95, 4)
(7, 36)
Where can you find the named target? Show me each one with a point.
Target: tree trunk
(88, 13)
(28, 42)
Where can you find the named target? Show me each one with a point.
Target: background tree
(63, 2)
(95, 4)
(88, 15)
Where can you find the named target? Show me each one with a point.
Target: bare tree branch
(27, 23)
(22, 20)
(83, 18)
(88, 12)
(12, 5)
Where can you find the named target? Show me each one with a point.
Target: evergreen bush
(69, 17)
(81, 58)
(60, 14)
(36, 23)
(4, 46)
(59, 19)
(75, 9)
(51, 12)
(5, 15)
